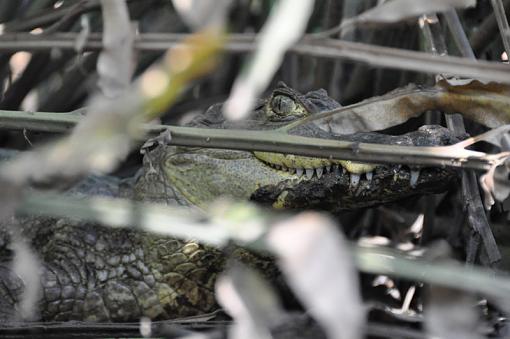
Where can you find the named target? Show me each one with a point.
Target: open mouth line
(338, 169)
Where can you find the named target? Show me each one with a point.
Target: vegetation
(87, 83)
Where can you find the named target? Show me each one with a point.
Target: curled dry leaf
(398, 10)
(250, 301)
(115, 65)
(485, 103)
(496, 182)
(318, 267)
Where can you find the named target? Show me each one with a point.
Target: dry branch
(329, 48)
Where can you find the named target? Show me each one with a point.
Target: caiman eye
(283, 107)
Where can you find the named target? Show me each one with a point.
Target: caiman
(89, 272)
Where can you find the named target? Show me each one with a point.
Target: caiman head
(198, 176)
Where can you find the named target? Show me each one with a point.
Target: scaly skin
(199, 175)
(88, 272)
(94, 273)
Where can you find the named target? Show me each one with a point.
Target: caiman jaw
(308, 165)
(297, 164)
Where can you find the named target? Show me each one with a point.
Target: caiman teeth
(319, 172)
(415, 174)
(320, 167)
(309, 173)
(369, 176)
(355, 179)
(296, 161)
(307, 166)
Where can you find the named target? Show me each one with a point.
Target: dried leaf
(496, 182)
(250, 301)
(116, 61)
(398, 10)
(314, 258)
(285, 25)
(485, 103)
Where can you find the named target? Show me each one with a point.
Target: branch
(219, 227)
(329, 48)
(277, 141)
(39, 121)
(472, 202)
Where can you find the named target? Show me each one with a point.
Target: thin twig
(470, 192)
(39, 121)
(484, 35)
(277, 141)
(459, 36)
(504, 28)
(471, 196)
(329, 48)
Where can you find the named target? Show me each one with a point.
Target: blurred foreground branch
(237, 222)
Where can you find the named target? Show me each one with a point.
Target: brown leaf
(484, 103)
(319, 268)
(398, 10)
(250, 301)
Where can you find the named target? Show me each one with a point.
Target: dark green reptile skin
(95, 273)
(99, 274)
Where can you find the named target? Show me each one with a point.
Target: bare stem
(278, 141)
(329, 48)
(459, 36)
(504, 29)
